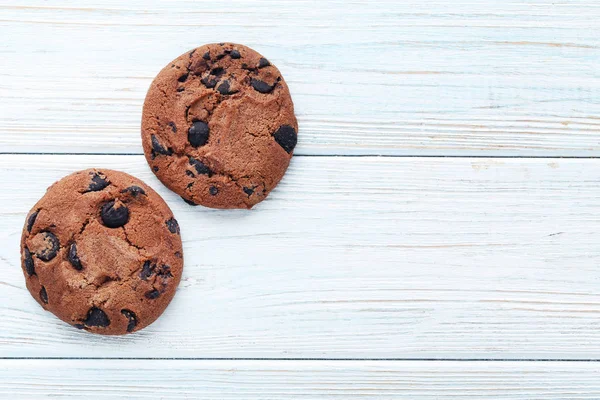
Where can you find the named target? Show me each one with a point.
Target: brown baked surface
(102, 251)
(218, 126)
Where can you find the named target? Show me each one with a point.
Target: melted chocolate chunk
(74, 258)
(200, 167)
(263, 62)
(31, 220)
(191, 203)
(147, 270)
(98, 183)
(173, 226)
(198, 133)
(159, 148)
(248, 191)
(164, 272)
(217, 71)
(225, 89)
(28, 263)
(135, 191)
(262, 87)
(44, 295)
(130, 315)
(114, 217)
(52, 245)
(209, 82)
(286, 137)
(96, 317)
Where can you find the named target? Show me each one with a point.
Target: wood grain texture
(162, 379)
(498, 78)
(352, 257)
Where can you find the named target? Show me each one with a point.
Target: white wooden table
(436, 235)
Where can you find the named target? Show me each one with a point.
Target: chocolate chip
(235, 54)
(178, 254)
(172, 126)
(158, 148)
(79, 326)
(180, 89)
(182, 78)
(225, 89)
(130, 315)
(206, 55)
(220, 56)
(28, 263)
(134, 191)
(248, 191)
(217, 71)
(98, 183)
(213, 190)
(147, 270)
(114, 217)
(52, 245)
(74, 258)
(96, 317)
(173, 225)
(191, 203)
(286, 137)
(155, 169)
(164, 272)
(262, 87)
(198, 133)
(222, 44)
(192, 52)
(44, 295)
(200, 167)
(152, 294)
(263, 62)
(209, 82)
(31, 220)
(189, 173)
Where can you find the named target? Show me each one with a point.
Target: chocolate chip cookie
(218, 126)
(101, 250)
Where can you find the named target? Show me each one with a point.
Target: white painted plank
(352, 257)
(402, 77)
(193, 379)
